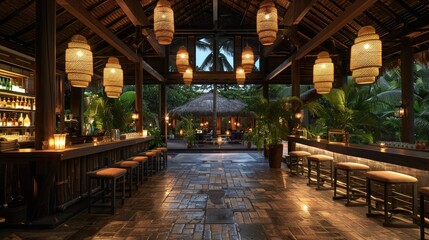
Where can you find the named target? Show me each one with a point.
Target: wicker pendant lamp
(266, 22)
(240, 76)
(365, 57)
(113, 78)
(187, 76)
(247, 59)
(182, 59)
(323, 73)
(163, 22)
(79, 62)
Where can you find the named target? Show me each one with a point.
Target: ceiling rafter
(349, 14)
(16, 12)
(85, 17)
(134, 11)
(294, 14)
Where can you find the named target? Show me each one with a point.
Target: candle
(60, 141)
(318, 138)
(144, 133)
(51, 143)
(382, 145)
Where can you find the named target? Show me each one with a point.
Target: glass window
(174, 47)
(204, 54)
(225, 54)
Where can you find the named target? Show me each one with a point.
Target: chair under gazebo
(231, 115)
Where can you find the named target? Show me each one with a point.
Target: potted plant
(272, 120)
(248, 137)
(188, 131)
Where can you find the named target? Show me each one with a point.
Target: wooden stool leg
(335, 182)
(123, 189)
(386, 204)
(309, 173)
(348, 186)
(113, 195)
(88, 186)
(422, 216)
(368, 194)
(318, 174)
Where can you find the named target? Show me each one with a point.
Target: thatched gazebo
(230, 114)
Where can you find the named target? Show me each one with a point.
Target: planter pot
(265, 151)
(248, 144)
(275, 154)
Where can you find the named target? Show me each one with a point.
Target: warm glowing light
(181, 132)
(227, 132)
(182, 59)
(318, 138)
(78, 61)
(266, 22)
(305, 208)
(60, 141)
(323, 73)
(144, 133)
(113, 78)
(382, 145)
(365, 56)
(167, 118)
(187, 76)
(240, 76)
(163, 22)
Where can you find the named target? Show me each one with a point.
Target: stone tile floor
(223, 196)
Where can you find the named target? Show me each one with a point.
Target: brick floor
(244, 198)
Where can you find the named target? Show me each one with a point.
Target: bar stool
(353, 189)
(295, 162)
(108, 177)
(157, 158)
(424, 192)
(164, 156)
(132, 172)
(390, 199)
(151, 160)
(323, 174)
(143, 162)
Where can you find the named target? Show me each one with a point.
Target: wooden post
(76, 107)
(214, 110)
(45, 71)
(407, 84)
(139, 95)
(295, 78)
(163, 111)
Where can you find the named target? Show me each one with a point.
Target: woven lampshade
(187, 76)
(79, 62)
(163, 22)
(247, 59)
(266, 22)
(113, 78)
(240, 76)
(182, 59)
(323, 73)
(365, 57)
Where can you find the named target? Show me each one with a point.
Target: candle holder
(60, 141)
(144, 133)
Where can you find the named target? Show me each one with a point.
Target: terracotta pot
(275, 155)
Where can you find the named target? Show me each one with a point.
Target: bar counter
(407, 161)
(51, 181)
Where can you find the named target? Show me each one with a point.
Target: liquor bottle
(22, 103)
(4, 120)
(34, 104)
(27, 121)
(3, 103)
(1, 83)
(27, 104)
(8, 103)
(13, 102)
(14, 120)
(20, 120)
(9, 120)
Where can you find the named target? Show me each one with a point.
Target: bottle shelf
(15, 94)
(15, 110)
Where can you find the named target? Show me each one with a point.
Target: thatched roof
(203, 106)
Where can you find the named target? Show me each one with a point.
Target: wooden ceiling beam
(354, 10)
(86, 18)
(294, 14)
(215, 13)
(134, 11)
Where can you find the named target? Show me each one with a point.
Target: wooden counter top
(78, 150)
(403, 157)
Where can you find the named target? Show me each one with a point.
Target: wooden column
(266, 90)
(238, 49)
(407, 84)
(163, 111)
(139, 94)
(295, 78)
(59, 109)
(45, 70)
(214, 122)
(191, 51)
